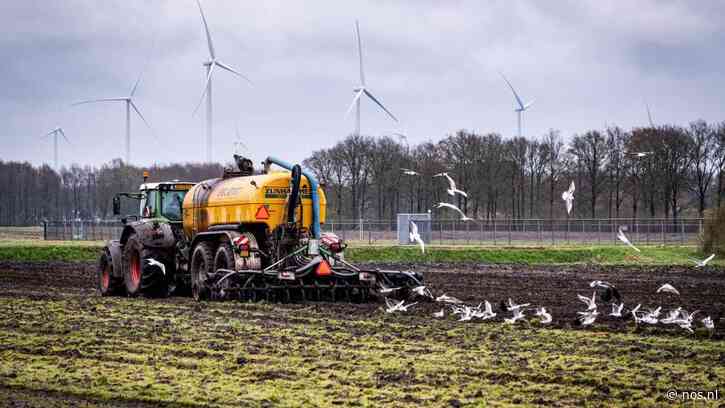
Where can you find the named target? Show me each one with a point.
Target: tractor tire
(224, 258)
(138, 278)
(202, 262)
(108, 284)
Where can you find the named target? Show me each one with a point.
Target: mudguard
(114, 248)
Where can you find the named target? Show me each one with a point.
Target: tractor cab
(160, 201)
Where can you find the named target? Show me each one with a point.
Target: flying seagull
(487, 312)
(704, 262)
(617, 310)
(386, 290)
(464, 217)
(708, 323)
(545, 316)
(667, 288)
(640, 155)
(634, 313)
(588, 317)
(609, 290)
(591, 303)
(623, 238)
(511, 306)
(448, 299)
(674, 316)
(161, 266)
(415, 236)
(452, 190)
(518, 315)
(422, 291)
(397, 307)
(651, 317)
(568, 197)
(409, 172)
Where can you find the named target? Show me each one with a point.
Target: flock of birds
(607, 292)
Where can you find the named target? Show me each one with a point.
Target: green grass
(44, 251)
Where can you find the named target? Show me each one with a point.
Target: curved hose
(314, 185)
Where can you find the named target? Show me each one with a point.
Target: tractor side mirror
(116, 205)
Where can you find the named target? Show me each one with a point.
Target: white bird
(487, 312)
(448, 299)
(386, 290)
(623, 238)
(397, 307)
(588, 317)
(672, 317)
(452, 190)
(704, 262)
(591, 303)
(545, 316)
(617, 310)
(651, 317)
(415, 236)
(422, 291)
(634, 313)
(513, 307)
(409, 172)
(464, 217)
(640, 155)
(518, 315)
(440, 314)
(609, 290)
(568, 197)
(466, 313)
(153, 262)
(709, 324)
(667, 288)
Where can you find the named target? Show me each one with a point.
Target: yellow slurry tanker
(248, 235)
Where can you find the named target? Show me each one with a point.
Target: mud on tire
(108, 284)
(138, 278)
(202, 262)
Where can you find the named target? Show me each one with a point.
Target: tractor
(249, 235)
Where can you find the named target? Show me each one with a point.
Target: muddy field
(63, 344)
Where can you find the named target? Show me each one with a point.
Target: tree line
(681, 175)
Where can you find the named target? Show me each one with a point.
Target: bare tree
(590, 150)
(703, 160)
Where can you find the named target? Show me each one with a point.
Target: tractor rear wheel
(138, 277)
(202, 262)
(108, 284)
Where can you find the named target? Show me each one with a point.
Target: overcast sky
(433, 64)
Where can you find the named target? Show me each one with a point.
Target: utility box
(422, 221)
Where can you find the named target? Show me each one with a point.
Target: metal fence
(455, 232)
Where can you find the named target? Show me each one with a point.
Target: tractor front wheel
(108, 284)
(202, 262)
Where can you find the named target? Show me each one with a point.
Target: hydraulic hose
(314, 185)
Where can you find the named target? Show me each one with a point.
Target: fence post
(682, 232)
(551, 224)
(45, 230)
(662, 228)
(538, 222)
(494, 230)
(599, 231)
(511, 226)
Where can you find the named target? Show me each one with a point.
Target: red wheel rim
(105, 277)
(135, 270)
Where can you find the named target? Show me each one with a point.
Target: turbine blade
(62, 133)
(380, 104)
(49, 133)
(206, 29)
(649, 115)
(138, 80)
(359, 52)
(133, 105)
(206, 88)
(100, 100)
(518, 100)
(232, 70)
(528, 105)
(355, 99)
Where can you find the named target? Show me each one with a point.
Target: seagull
(440, 314)
(386, 290)
(568, 196)
(153, 262)
(591, 303)
(545, 316)
(667, 288)
(397, 307)
(409, 172)
(588, 317)
(704, 262)
(651, 316)
(513, 307)
(609, 290)
(415, 236)
(422, 291)
(673, 317)
(624, 239)
(640, 155)
(709, 324)
(448, 299)
(634, 313)
(466, 313)
(452, 190)
(518, 315)
(453, 207)
(617, 310)
(487, 312)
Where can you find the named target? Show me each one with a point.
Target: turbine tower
(362, 88)
(55, 132)
(209, 66)
(521, 108)
(649, 115)
(129, 104)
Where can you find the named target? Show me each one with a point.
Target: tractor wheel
(108, 284)
(202, 262)
(224, 258)
(138, 277)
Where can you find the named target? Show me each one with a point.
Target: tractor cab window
(171, 202)
(148, 204)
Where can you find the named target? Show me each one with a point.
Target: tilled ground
(62, 344)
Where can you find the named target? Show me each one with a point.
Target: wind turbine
(649, 115)
(213, 62)
(129, 104)
(362, 88)
(522, 107)
(55, 132)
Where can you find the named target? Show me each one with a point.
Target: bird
(452, 190)
(466, 313)
(609, 290)
(487, 312)
(640, 155)
(617, 310)
(448, 299)
(384, 289)
(588, 317)
(518, 315)
(397, 307)
(422, 291)
(651, 317)
(673, 316)
(700, 264)
(409, 172)
(708, 323)
(464, 217)
(415, 236)
(440, 314)
(545, 316)
(591, 303)
(161, 266)
(623, 238)
(568, 197)
(667, 288)
(634, 313)
(512, 306)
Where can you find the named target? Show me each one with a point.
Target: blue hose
(314, 185)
